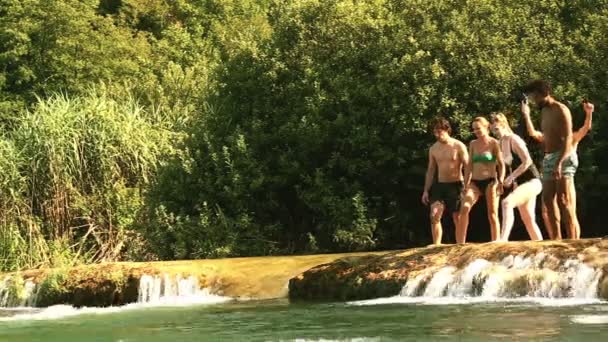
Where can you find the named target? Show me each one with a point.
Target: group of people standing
(494, 168)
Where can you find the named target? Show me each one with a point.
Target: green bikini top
(485, 157)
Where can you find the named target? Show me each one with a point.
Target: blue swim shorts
(568, 167)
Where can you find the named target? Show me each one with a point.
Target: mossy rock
(53, 289)
(385, 275)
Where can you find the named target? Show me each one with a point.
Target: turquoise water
(279, 320)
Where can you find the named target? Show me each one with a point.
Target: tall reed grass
(71, 178)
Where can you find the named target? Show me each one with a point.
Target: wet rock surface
(545, 268)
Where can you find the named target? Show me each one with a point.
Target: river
(392, 319)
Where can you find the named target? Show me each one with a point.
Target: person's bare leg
(436, 229)
(455, 219)
(528, 216)
(549, 189)
(469, 199)
(564, 195)
(519, 198)
(492, 203)
(577, 226)
(546, 215)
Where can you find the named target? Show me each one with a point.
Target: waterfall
(15, 292)
(153, 290)
(174, 290)
(538, 276)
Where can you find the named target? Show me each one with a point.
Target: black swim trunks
(448, 193)
(482, 184)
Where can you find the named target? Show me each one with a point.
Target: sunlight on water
(356, 339)
(63, 311)
(519, 297)
(552, 320)
(477, 300)
(590, 319)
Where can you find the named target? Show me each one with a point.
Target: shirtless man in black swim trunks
(447, 156)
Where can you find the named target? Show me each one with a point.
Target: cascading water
(162, 290)
(542, 279)
(14, 292)
(538, 276)
(174, 290)
(153, 290)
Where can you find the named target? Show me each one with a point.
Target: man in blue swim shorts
(577, 136)
(559, 163)
(568, 169)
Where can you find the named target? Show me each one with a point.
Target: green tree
(52, 46)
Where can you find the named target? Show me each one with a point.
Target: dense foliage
(142, 129)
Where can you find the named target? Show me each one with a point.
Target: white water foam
(58, 312)
(354, 339)
(538, 279)
(29, 290)
(549, 302)
(154, 291)
(165, 290)
(439, 283)
(464, 282)
(590, 319)
(25, 297)
(64, 311)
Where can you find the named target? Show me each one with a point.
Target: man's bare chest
(549, 122)
(446, 155)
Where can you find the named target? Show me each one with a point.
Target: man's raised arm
(537, 135)
(565, 136)
(582, 132)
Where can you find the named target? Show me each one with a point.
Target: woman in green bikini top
(486, 157)
(483, 176)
